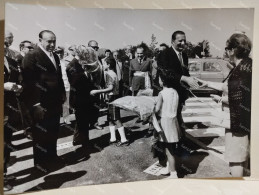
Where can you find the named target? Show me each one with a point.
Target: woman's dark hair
(241, 43)
(112, 63)
(167, 82)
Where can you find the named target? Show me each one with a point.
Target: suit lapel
(47, 62)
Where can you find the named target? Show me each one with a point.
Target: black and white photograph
(104, 95)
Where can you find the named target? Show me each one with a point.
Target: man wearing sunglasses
(25, 47)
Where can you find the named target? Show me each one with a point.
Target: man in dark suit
(44, 94)
(138, 67)
(12, 112)
(173, 64)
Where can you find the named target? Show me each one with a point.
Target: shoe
(164, 171)
(9, 178)
(29, 136)
(67, 122)
(98, 127)
(77, 143)
(139, 120)
(148, 134)
(126, 143)
(42, 168)
(7, 187)
(112, 142)
(173, 175)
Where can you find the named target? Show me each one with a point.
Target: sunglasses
(95, 47)
(29, 47)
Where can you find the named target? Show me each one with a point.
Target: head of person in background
(163, 46)
(238, 47)
(93, 44)
(60, 51)
(8, 38)
(140, 53)
(72, 50)
(128, 51)
(47, 40)
(25, 47)
(178, 40)
(115, 55)
(107, 53)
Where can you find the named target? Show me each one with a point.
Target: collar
(45, 51)
(177, 52)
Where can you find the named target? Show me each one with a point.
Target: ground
(104, 163)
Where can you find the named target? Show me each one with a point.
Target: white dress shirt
(50, 55)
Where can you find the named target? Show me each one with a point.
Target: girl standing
(166, 108)
(112, 88)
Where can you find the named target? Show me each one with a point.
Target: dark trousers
(81, 133)
(45, 136)
(7, 144)
(180, 118)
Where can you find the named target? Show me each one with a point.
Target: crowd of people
(43, 82)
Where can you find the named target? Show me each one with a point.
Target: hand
(38, 113)
(216, 98)
(192, 82)
(10, 86)
(93, 92)
(19, 89)
(130, 88)
(203, 83)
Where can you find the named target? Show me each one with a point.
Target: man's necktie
(52, 59)
(181, 60)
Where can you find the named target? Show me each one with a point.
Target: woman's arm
(106, 90)
(159, 103)
(210, 84)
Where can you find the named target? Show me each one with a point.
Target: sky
(116, 28)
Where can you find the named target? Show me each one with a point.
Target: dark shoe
(112, 142)
(139, 120)
(29, 136)
(42, 168)
(126, 143)
(148, 134)
(77, 143)
(7, 187)
(98, 127)
(9, 178)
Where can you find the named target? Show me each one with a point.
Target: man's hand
(10, 86)
(130, 88)
(203, 83)
(216, 98)
(191, 82)
(38, 113)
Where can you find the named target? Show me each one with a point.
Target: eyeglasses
(29, 47)
(95, 47)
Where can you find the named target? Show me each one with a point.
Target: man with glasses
(25, 47)
(8, 41)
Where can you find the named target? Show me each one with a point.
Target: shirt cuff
(36, 104)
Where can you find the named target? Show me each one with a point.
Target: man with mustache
(44, 94)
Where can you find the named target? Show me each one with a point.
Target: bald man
(44, 94)
(8, 42)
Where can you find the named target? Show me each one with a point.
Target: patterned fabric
(113, 111)
(239, 94)
(111, 79)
